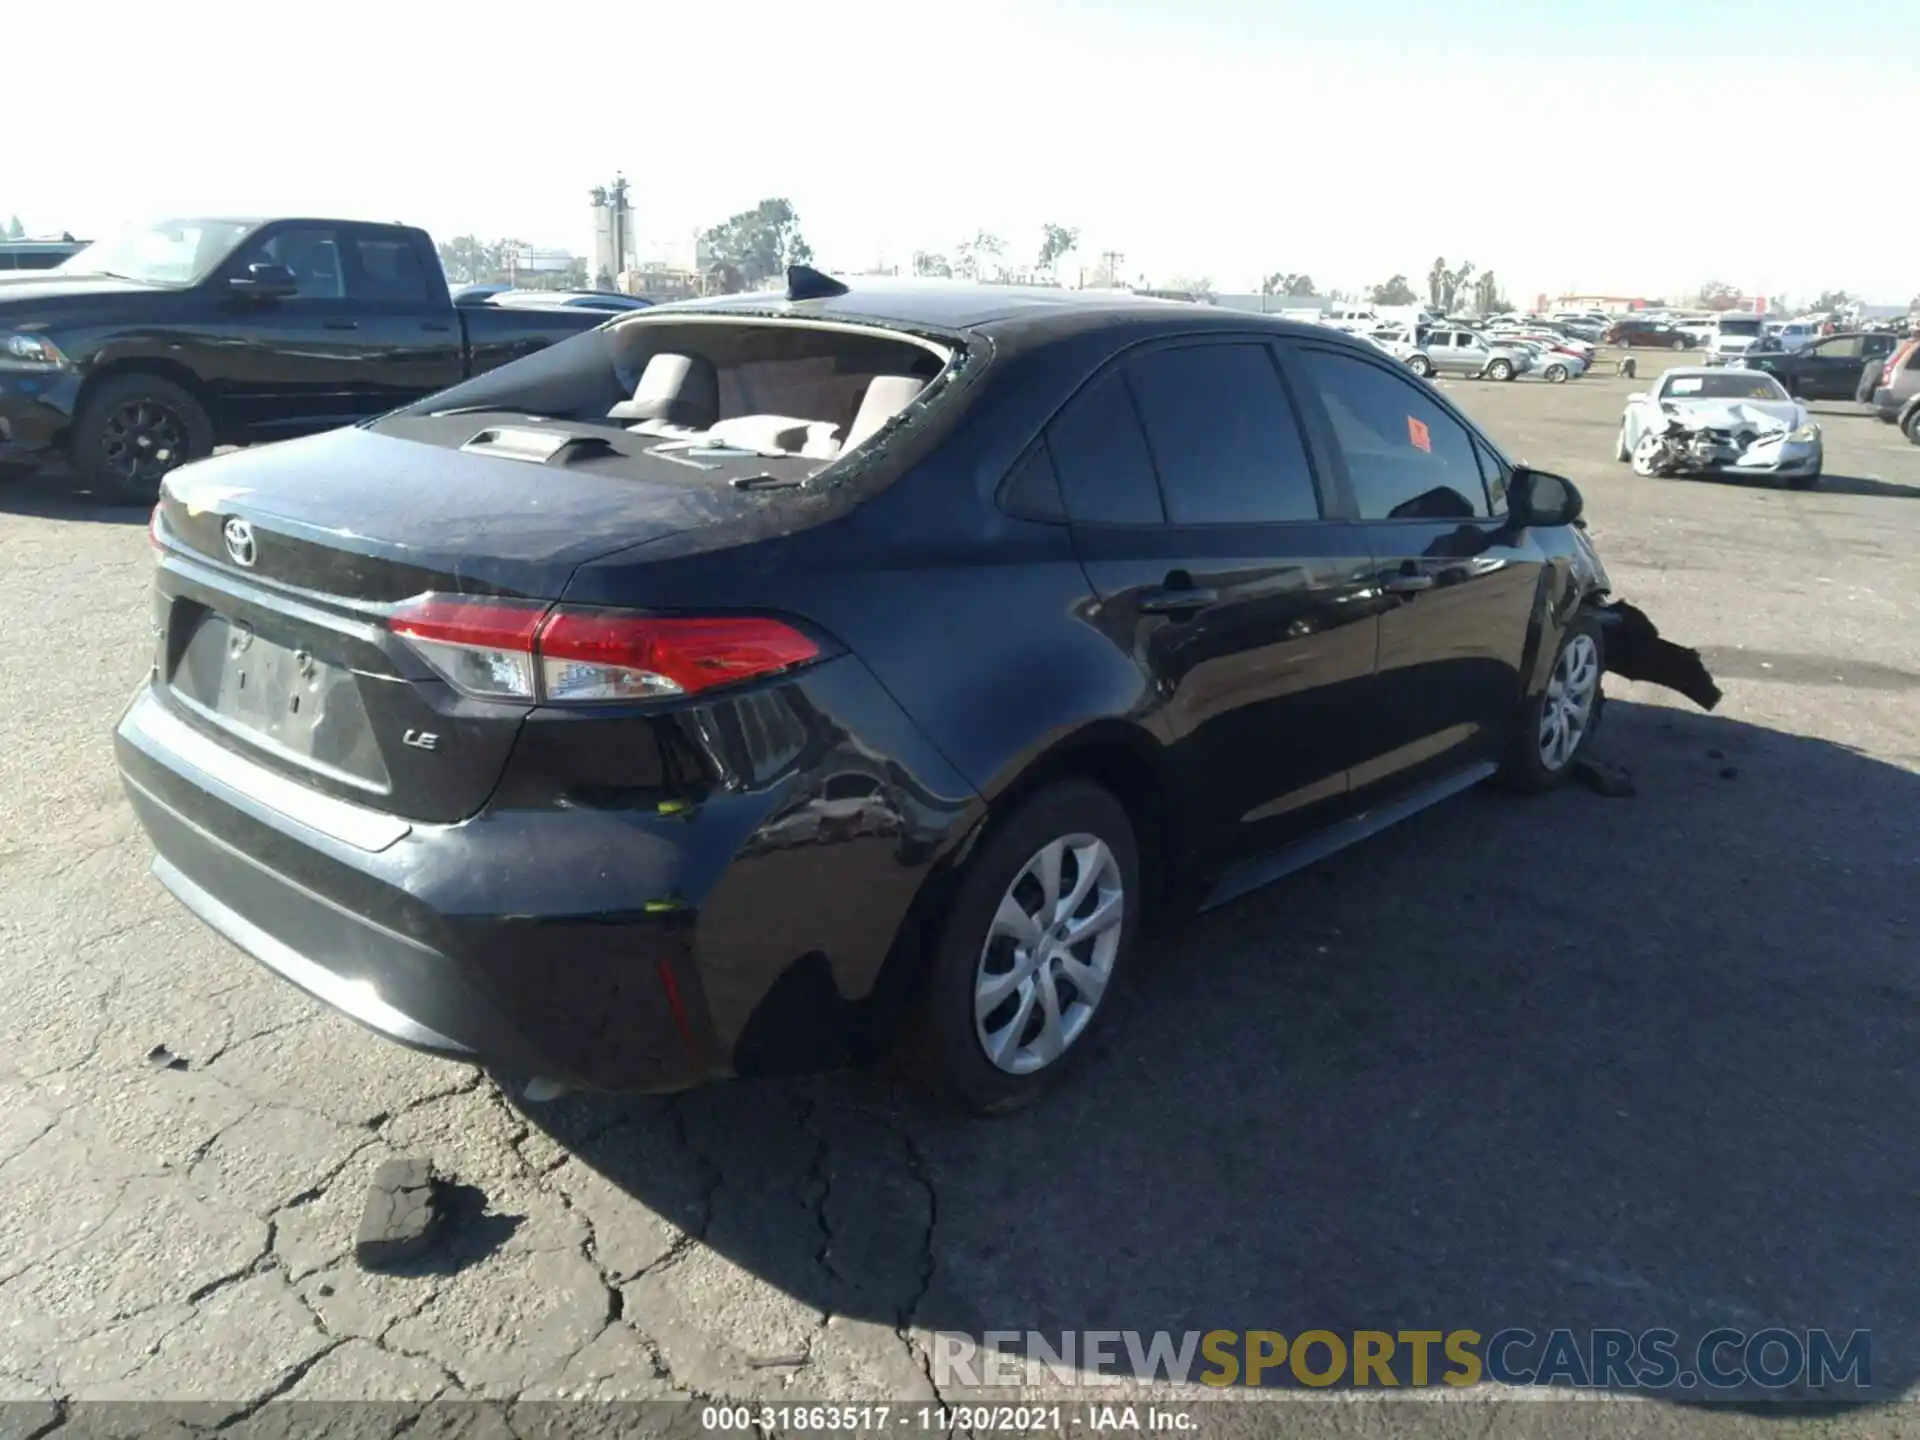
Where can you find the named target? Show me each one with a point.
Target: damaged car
(765, 682)
(1700, 421)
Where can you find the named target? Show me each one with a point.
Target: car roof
(953, 306)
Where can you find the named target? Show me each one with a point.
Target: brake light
(525, 650)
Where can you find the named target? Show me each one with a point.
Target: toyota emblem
(239, 538)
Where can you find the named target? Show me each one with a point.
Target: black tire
(1420, 365)
(1910, 422)
(948, 1050)
(1525, 770)
(1500, 369)
(1679, 342)
(1556, 373)
(132, 431)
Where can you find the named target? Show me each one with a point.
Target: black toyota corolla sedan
(755, 683)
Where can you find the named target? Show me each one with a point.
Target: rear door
(1229, 573)
(1459, 587)
(399, 307)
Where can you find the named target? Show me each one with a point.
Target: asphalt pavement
(1570, 1062)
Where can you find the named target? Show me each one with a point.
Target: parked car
(1793, 334)
(1444, 350)
(1554, 366)
(1828, 369)
(17, 255)
(1118, 623)
(145, 351)
(1579, 349)
(1733, 336)
(1743, 423)
(1897, 397)
(1648, 335)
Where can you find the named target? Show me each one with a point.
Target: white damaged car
(1701, 421)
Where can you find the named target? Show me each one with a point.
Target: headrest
(886, 397)
(679, 389)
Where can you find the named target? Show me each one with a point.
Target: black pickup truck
(145, 351)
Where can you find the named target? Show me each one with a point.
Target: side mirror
(265, 282)
(1536, 498)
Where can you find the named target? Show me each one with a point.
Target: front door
(285, 366)
(1829, 369)
(1459, 588)
(1200, 522)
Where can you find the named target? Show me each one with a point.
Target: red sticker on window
(1417, 433)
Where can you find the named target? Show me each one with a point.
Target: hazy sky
(1614, 146)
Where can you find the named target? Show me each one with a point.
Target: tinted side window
(1031, 489)
(1101, 458)
(1408, 459)
(1223, 435)
(389, 270)
(1848, 348)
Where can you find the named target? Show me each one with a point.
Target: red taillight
(480, 647)
(604, 655)
(520, 650)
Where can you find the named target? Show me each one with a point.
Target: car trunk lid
(281, 569)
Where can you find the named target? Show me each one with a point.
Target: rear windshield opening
(703, 390)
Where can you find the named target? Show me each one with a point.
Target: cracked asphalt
(1574, 1062)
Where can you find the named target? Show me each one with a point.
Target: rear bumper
(615, 949)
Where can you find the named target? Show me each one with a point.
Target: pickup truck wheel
(1501, 370)
(1679, 342)
(132, 431)
(1420, 365)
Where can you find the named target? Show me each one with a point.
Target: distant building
(1612, 304)
(613, 251)
(1275, 304)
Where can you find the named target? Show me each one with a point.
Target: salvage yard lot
(1577, 1062)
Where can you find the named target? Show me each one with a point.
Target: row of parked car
(1503, 353)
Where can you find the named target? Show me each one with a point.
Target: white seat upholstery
(678, 391)
(886, 397)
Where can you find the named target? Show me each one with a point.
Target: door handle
(1406, 584)
(343, 324)
(1176, 599)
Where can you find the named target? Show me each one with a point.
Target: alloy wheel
(143, 440)
(1049, 953)
(1567, 714)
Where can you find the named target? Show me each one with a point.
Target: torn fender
(1636, 651)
